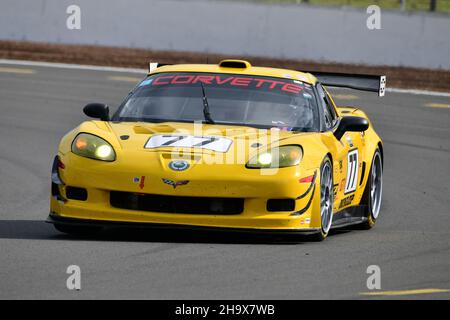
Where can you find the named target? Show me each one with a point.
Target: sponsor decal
(341, 184)
(178, 165)
(307, 220)
(346, 201)
(175, 184)
(145, 82)
(232, 81)
(350, 141)
(140, 180)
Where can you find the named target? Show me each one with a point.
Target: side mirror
(350, 124)
(97, 110)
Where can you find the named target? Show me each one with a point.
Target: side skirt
(348, 217)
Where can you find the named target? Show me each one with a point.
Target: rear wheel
(373, 192)
(326, 199)
(77, 230)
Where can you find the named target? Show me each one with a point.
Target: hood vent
(235, 64)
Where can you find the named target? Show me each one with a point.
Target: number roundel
(219, 144)
(352, 171)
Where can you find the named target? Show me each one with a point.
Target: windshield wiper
(206, 112)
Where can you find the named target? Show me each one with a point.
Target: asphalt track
(410, 244)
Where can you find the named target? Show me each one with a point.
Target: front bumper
(56, 219)
(100, 180)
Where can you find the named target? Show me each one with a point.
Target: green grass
(411, 5)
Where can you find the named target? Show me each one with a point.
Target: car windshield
(232, 99)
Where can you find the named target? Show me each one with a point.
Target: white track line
(144, 71)
(70, 66)
(421, 92)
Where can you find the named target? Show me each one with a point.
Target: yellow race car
(225, 147)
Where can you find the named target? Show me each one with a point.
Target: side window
(327, 106)
(330, 106)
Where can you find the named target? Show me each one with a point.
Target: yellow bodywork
(255, 186)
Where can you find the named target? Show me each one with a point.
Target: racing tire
(326, 199)
(373, 192)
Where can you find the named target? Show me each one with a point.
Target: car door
(346, 155)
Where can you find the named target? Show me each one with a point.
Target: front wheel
(373, 192)
(326, 199)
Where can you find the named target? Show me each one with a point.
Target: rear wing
(154, 65)
(353, 81)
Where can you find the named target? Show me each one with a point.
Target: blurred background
(40, 102)
(409, 5)
(408, 40)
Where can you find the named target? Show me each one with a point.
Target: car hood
(135, 140)
(193, 138)
(141, 137)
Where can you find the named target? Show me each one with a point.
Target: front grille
(176, 204)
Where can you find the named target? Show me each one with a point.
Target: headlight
(284, 156)
(90, 146)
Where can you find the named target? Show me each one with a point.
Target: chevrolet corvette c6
(228, 146)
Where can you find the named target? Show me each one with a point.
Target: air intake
(75, 193)
(235, 64)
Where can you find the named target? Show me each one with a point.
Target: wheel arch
(329, 155)
(380, 146)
